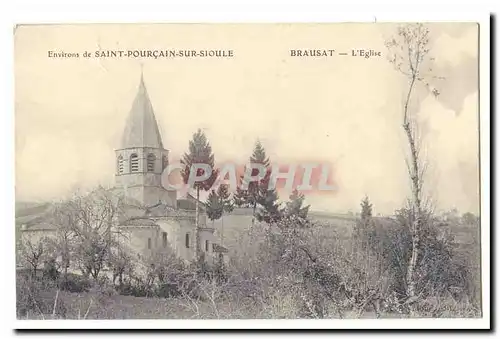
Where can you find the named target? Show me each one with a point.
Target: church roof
(141, 129)
(188, 202)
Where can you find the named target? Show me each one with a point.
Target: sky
(344, 111)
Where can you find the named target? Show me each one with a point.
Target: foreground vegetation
(286, 270)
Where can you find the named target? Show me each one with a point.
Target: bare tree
(64, 240)
(33, 253)
(122, 264)
(91, 218)
(409, 53)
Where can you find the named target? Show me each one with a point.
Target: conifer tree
(200, 152)
(255, 193)
(214, 206)
(227, 205)
(294, 211)
(269, 210)
(225, 198)
(259, 155)
(240, 197)
(364, 232)
(363, 225)
(366, 209)
(267, 198)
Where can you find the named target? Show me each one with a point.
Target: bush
(136, 288)
(75, 284)
(441, 267)
(50, 270)
(167, 290)
(445, 306)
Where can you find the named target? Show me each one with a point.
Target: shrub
(135, 287)
(50, 270)
(75, 283)
(441, 268)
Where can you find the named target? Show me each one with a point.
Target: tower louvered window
(134, 163)
(120, 164)
(151, 162)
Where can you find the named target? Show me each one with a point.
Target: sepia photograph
(248, 171)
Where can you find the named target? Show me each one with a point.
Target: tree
(366, 209)
(227, 205)
(409, 53)
(214, 206)
(91, 218)
(365, 250)
(269, 208)
(259, 155)
(257, 192)
(469, 218)
(33, 253)
(294, 210)
(294, 206)
(121, 263)
(200, 152)
(240, 197)
(64, 242)
(168, 270)
(252, 193)
(364, 223)
(225, 198)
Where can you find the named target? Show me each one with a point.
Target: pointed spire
(141, 129)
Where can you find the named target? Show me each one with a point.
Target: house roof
(42, 226)
(139, 222)
(141, 129)
(218, 248)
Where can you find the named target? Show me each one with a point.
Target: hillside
(230, 228)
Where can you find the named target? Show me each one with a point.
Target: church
(153, 218)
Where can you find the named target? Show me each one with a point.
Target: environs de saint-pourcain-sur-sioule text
(153, 54)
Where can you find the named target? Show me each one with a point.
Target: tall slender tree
(199, 152)
(364, 223)
(363, 232)
(409, 53)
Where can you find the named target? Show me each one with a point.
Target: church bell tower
(141, 158)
